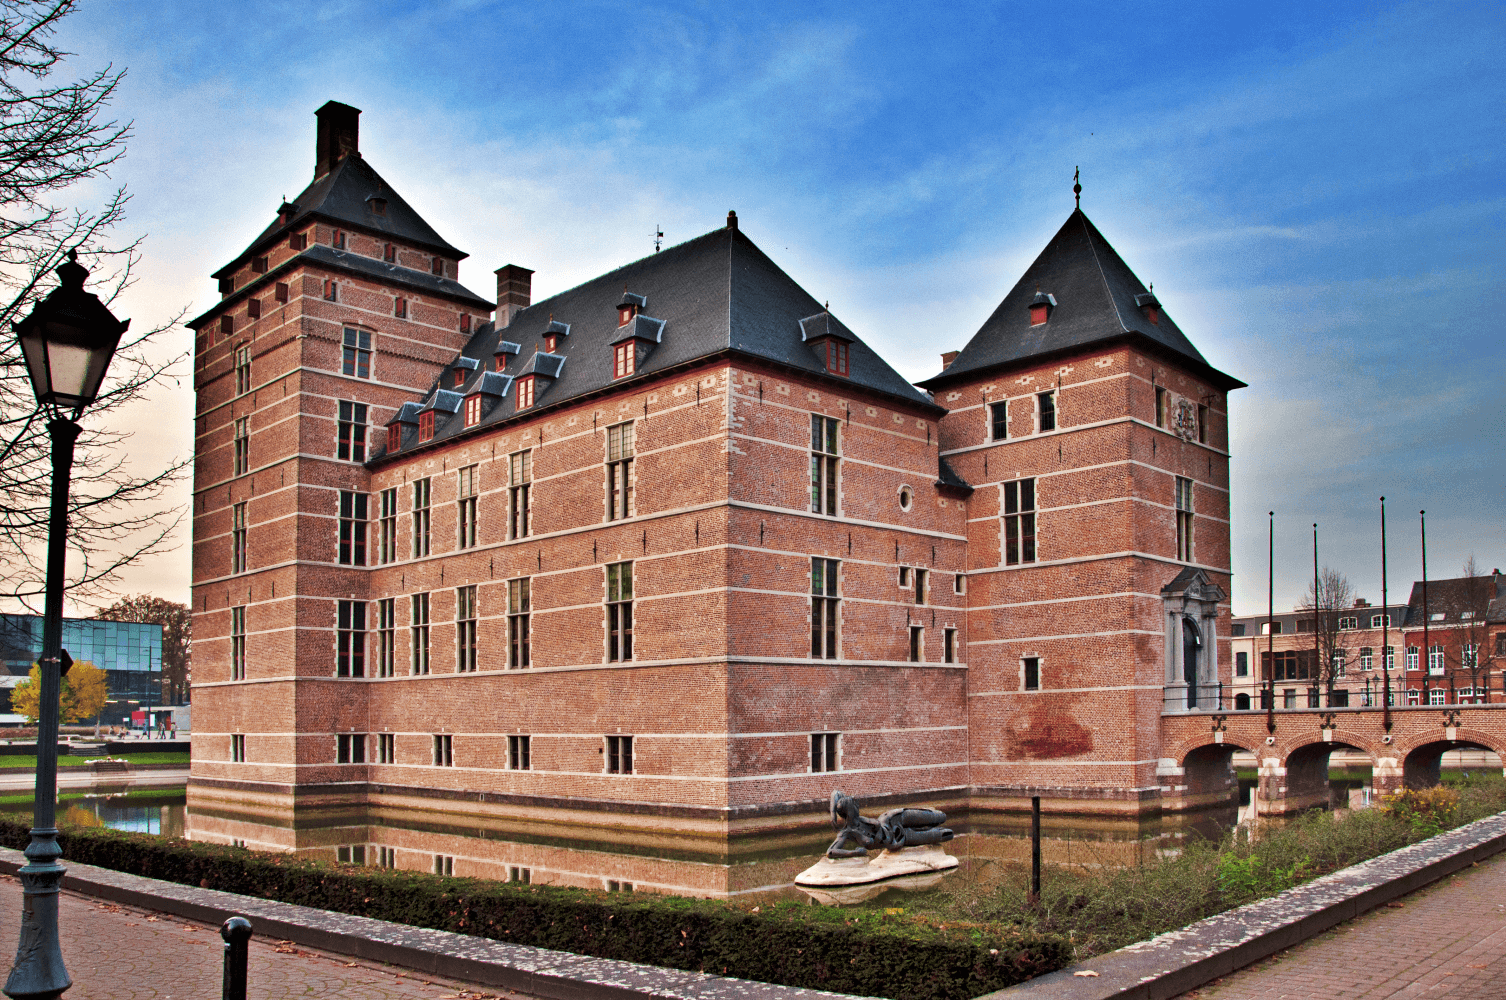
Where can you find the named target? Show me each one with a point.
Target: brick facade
(923, 683)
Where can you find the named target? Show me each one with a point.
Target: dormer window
(630, 306)
(525, 392)
(459, 377)
(551, 342)
(259, 265)
(227, 285)
(298, 241)
(378, 206)
(501, 360)
(465, 322)
(389, 253)
(625, 314)
(400, 308)
(337, 239)
(836, 357)
(1149, 307)
(426, 425)
(437, 266)
(1040, 307)
(394, 438)
(473, 409)
(624, 359)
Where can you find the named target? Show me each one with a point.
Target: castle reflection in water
(764, 864)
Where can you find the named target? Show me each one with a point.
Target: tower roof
(1092, 297)
(716, 294)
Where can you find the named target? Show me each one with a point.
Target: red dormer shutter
(426, 425)
(394, 437)
(1037, 314)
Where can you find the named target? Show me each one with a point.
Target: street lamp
(68, 341)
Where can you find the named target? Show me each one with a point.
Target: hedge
(867, 952)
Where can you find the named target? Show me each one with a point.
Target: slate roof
(1095, 301)
(1451, 599)
(1288, 619)
(342, 196)
(716, 293)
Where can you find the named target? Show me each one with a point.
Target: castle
(676, 549)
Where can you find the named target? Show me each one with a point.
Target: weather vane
(1077, 186)
(658, 238)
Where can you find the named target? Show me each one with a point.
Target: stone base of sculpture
(889, 863)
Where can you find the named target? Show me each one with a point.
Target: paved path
(118, 952)
(1447, 940)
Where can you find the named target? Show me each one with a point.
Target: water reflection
(159, 813)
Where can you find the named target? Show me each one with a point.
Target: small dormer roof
(406, 414)
(1043, 299)
(640, 328)
(557, 328)
(823, 325)
(544, 364)
(469, 364)
(446, 401)
(630, 299)
(1147, 299)
(508, 347)
(494, 384)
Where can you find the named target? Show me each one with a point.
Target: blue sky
(1316, 191)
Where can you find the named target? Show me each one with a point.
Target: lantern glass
(68, 341)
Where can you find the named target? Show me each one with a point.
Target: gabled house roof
(715, 294)
(1092, 296)
(1460, 601)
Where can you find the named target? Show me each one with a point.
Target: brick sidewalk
(1448, 940)
(121, 953)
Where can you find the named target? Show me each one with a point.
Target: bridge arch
(1422, 758)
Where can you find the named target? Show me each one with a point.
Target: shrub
(1427, 810)
(865, 952)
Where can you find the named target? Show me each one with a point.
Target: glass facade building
(130, 654)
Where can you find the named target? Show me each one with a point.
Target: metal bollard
(1035, 848)
(237, 934)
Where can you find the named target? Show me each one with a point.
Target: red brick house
(669, 548)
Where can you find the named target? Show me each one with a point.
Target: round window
(905, 498)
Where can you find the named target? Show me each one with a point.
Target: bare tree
(1478, 589)
(1334, 595)
(53, 135)
(177, 637)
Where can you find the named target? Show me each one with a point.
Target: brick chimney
(514, 292)
(339, 135)
(947, 357)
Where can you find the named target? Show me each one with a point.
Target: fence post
(1035, 848)
(237, 934)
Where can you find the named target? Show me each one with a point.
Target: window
(619, 755)
(331, 291)
(620, 471)
(238, 748)
(1437, 616)
(1390, 657)
(1184, 519)
(1046, 406)
(1468, 654)
(551, 342)
(1038, 313)
(1367, 658)
(426, 425)
(459, 376)
(421, 516)
(238, 644)
(394, 437)
(825, 612)
(1236, 630)
(1241, 664)
(418, 634)
(473, 409)
(519, 488)
(906, 498)
(400, 307)
(1291, 665)
(1437, 696)
(242, 371)
(259, 265)
(253, 308)
(1304, 624)
(436, 266)
(1413, 654)
(518, 610)
(1202, 425)
(518, 756)
(1380, 621)
(1288, 697)
(238, 538)
(465, 322)
(998, 419)
(1019, 522)
(836, 357)
(352, 528)
(959, 583)
(904, 576)
(350, 445)
(949, 645)
(227, 324)
(350, 748)
(337, 239)
(1161, 402)
(620, 611)
(824, 454)
(525, 392)
(444, 756)
(1501, 643)
(1270, 628)
(386, 636)
(624, 357)
(1345, 624)
(356, 356)
(298, 241)
(917, 643)
(465, 629)
(1435, 659)
(387, 526)
(280, 293)
(920, 586)
(1338, 663)
(519, 874)
(824, 747)
(613, 885)
(386, 857)
(466, 514)
(444, 864)
(389, 253)
(242, 446)
(1032, 672)
(350, 639)
(386, 748)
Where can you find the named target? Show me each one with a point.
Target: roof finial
(1077, 185)
(658, 241)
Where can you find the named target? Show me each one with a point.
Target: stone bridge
(1292, 746)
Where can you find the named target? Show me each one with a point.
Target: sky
(1316, 191)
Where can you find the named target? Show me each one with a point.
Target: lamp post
(67, 341)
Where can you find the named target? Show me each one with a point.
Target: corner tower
(344, 307)
(1098, 537)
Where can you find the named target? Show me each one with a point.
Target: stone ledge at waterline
(1177, 961)
(537, 972)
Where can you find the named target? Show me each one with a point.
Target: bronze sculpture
(893, 829)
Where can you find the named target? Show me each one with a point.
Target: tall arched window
(1192, 643)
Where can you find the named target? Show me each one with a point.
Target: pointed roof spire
(1077, 185)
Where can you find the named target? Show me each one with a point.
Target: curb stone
(1177, 961)
(538, 972)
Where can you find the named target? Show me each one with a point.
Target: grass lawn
(25, 763)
